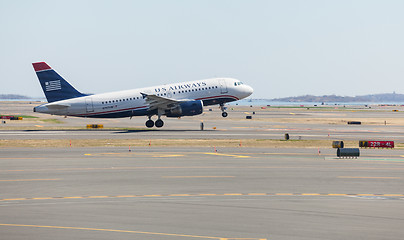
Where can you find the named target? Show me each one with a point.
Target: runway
(193, 192)
(297, 134)
(177, 193)
(270, 123)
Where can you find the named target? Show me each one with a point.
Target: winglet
(41, 66)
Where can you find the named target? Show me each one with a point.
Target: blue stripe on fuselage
(144, 112)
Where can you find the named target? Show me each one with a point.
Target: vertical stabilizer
(53, 85)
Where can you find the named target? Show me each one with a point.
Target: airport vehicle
(171, 100)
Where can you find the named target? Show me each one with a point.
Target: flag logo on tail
(53, 85)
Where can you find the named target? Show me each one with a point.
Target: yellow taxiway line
(121, 231)
(208, 194)
(228, 155)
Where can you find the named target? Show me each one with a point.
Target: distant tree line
(13, 96)
(384, 97)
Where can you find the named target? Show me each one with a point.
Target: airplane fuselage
(133, 102)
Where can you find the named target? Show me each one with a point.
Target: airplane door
(89, 105)
(223, 86)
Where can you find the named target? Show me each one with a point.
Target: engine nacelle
(189, 108)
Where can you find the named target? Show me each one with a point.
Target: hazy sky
(281, 48)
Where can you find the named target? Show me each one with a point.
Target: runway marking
(126, 196)
(167, 156)
(228, 155)
(98, 197)
(28, 180)
(370, 177)
(119, 231)
(198, 176)
(179, 195)
(14, 199)
(207, 195)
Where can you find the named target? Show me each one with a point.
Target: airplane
(172, 100)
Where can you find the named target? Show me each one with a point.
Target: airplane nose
(249, 90)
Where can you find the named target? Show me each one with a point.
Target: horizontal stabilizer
(57, 106)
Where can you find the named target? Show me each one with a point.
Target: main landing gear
(223, 108)
(150, 123)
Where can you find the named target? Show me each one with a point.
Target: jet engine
(189, 108)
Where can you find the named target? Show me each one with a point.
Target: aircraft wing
(156, 102)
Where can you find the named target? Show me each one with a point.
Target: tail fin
(53, 85)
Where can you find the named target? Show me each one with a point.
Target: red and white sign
(381, 144)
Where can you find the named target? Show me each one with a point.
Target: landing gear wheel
(159, 123)
(149, 123)
(223, 108)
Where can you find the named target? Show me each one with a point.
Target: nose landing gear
(223, 108)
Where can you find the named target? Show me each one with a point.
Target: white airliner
(171, 100)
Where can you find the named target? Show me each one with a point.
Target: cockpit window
(237, 83)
